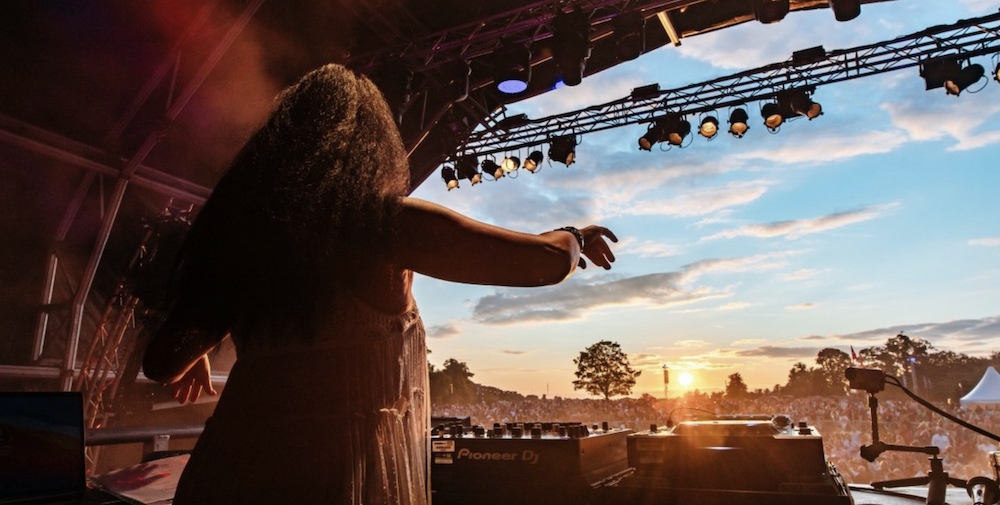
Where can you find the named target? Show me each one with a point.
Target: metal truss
(523, 25)
(964, 39)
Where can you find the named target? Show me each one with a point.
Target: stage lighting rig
(514, 72)
(709, 127)
(490, 167)
(465, 168)
(630, 35)
(449, 177)
(845, 10)
(563, 149)
(738, 122)
(770, 11)
(571, 45)
(534, 161)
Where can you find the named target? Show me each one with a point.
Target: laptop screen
(41, 445)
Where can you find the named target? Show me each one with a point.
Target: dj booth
(752, 460)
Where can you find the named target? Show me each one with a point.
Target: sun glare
(685, 379)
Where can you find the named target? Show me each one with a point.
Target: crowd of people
(844, 423)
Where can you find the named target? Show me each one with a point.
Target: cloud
(748, 341)
(577, 296)
(647, 248)
(802, 306)
(962, 330)
(702, 201)
(830, 147)
(769, 351)
(515, 353)
(796, 228)
(733, 306)
(980, 6)
(813, 337)
(941, 117)
(800, 275)
(443, 331)
(689, 344)
(988, 242)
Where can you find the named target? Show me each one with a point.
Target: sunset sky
(748, 255)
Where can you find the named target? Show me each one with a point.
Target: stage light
(709, 127)
(948, 72)
(490, 167)
(630, 35)
(772, 116)
(533, 161)
(845, 10)
(965, 78)
(770, 11)
(466, 169)
(510, 164)
(996, 73)
(514, 69)
(395, 81)
(671, 128)
(798, 102)
(563, 149)
(449, 177)
(677, 129)
(653, 135)
(571, 45)
(738, 123)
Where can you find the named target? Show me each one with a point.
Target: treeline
(936, 375)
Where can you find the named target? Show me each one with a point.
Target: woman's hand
(595, 248)
(190, 385)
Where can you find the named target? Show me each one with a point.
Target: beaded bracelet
(576, 233)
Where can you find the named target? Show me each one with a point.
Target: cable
(925, 403)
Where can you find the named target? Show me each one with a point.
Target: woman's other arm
(444, 244)
(178, 355)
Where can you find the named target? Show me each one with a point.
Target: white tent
(987, 392)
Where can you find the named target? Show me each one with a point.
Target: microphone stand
(937, 480)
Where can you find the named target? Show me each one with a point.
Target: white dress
(339, 418)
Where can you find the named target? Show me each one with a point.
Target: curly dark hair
(315, 187)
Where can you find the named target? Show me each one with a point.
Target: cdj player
(525, 463)
(743, 460)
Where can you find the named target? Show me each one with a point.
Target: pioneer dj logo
(527, 456)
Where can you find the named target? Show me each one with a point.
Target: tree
(832, 363)
(451, 383)
(603, 369)
(735, 387)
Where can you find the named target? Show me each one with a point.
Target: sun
(685, 379)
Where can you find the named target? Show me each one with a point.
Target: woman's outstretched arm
(444, 244)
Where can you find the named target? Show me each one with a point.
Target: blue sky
(748, 255)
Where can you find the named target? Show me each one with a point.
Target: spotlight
(653, 135)
(965, 78)
(563, 149)
(630, 35)
(709, 127)
(490, 167)
(671, 128)
(770, 11)
(449, 177)
(514, 69)
(947, 72)
(772, 116)
(845, 10)
(510, 164)
(534, 159)
(677, 129)
(466, 169)
(571, 45)
(798, 102)
(738, 123)
(996, 73)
